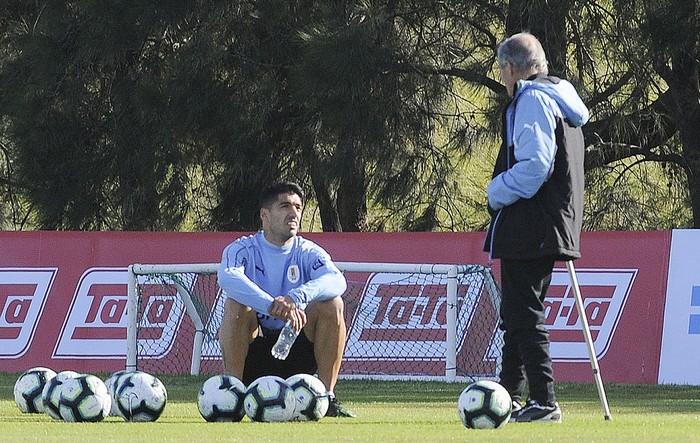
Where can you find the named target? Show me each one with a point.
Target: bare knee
(324, 315)
(238, 321)
(328, 309)
(238, 329)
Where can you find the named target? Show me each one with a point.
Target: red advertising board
(627, 273)
(63, 294)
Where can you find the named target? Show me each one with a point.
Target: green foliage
(634, 194)
(168, 115)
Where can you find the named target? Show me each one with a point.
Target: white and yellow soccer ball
(221, 399)
(269, 399)
(84, 399)
(140, 396)
(28, 389)
(484, 404)
(311, 397)
(51, 394)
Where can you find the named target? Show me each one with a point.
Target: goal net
(405, 321)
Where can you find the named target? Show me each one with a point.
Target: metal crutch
(589, 340)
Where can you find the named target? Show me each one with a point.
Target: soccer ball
(221, 399)
(311, 397)
(51, 394)
(140, 397)
(112, 382)
(28, 389)
(84, 398)
(484, 405)
(269, 398)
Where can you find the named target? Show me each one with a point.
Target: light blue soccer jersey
(253, 272)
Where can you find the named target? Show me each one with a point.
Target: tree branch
(464, 74)
(602, 153)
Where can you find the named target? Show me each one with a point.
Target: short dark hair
(269, 194)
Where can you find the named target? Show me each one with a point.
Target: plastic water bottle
(285, 341)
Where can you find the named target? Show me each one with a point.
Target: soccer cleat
(336, 409)
(535, 412)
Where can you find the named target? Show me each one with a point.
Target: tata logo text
(394, 310)
(402, 318)
(23, 295)
(604, 293)
(96, 323)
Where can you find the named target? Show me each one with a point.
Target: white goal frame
(451, 273)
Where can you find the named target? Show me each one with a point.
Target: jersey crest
(293, 274)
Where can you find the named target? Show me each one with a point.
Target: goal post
(170, 280)
(405, 321)
(421, 321)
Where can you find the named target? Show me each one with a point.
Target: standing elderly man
(536, 202)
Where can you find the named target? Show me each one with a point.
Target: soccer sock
(330, 394)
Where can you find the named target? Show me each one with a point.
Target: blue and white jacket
(536, 193)
(253, 272)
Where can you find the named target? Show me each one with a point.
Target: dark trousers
(526, 358)
(260, 361)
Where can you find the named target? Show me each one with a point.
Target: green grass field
(387, 412)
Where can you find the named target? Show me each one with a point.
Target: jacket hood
(564, 93)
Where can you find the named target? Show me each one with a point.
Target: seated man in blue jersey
(276, 276)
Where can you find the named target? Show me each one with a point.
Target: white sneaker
(515, 407)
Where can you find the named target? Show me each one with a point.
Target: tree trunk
(351, 200)
(692, 155)
(688, 118)
(546, 20)
(676, 61)
(326, 208)
(320, 182)
(329, 216)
